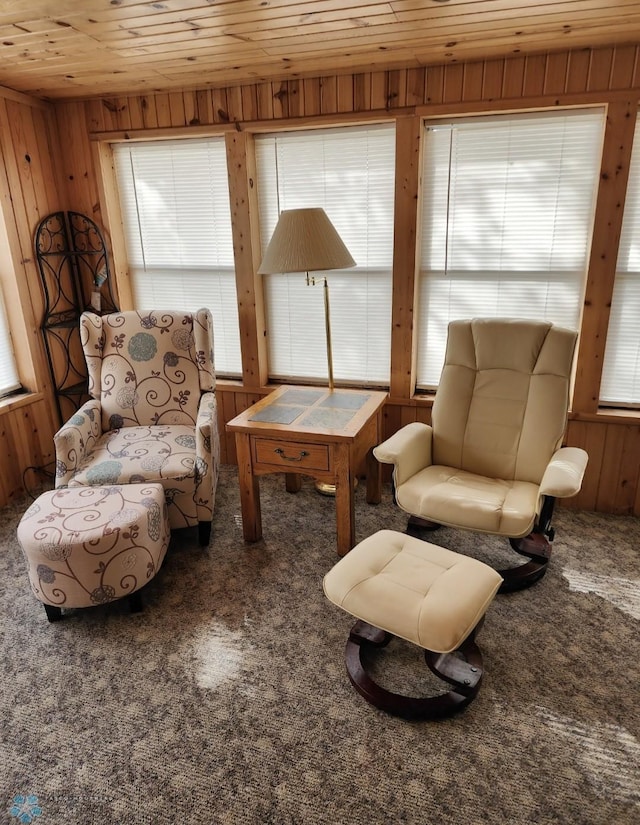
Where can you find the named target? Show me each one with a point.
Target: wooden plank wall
(30, 189)
(26, 442)
(607, 76)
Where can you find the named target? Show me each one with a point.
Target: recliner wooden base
(536, 546)
(464, 674)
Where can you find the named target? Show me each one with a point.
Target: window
(506, 226)
(174, 196)
(350, 173)
(620, 384)
(9, 381)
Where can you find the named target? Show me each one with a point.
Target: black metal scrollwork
(74, 272)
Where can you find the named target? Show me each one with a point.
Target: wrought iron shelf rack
(74, 271)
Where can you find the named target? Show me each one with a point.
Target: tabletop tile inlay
(301, 397)
(345, 401)
(278, 414)
(330, 419)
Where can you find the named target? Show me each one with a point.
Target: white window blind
(350, 173)
(506, 225)
(620, 385)
(9, 381)
(174, 196)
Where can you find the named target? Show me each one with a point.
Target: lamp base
(327, 489)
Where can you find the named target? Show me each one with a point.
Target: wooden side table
(309, 431)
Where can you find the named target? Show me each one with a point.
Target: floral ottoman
(90, 545)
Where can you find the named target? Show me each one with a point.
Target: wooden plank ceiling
(62, 49)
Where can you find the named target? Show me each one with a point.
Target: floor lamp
(305, 240)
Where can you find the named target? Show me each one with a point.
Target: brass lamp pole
(327, 326)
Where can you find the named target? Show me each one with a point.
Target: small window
(507, 219)
(174, 196)
(9, 381)
(350, 173)
(620, 384)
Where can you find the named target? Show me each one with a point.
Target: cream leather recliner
(152, 413)
(492, 459)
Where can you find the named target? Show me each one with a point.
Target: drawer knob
(281, 453)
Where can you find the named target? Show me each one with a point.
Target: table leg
(249, 490)
(345, 514)
(293, 482)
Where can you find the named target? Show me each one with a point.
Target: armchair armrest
(409, 450)
(75, 439)
(206, 423)
(564, 473)
(207, 455)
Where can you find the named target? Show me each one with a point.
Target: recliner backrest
(148, 367)
(501, 406)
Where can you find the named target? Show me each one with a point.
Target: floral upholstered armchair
(152, 411)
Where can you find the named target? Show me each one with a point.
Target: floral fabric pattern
(152, 415)
(148, 368)
(90, 545)
(167, 455)
(75, 440)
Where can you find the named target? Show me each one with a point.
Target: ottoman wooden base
(86, 546)
(397, 585)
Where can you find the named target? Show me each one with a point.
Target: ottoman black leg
(54, 614)
(136, 604)
(204, 533)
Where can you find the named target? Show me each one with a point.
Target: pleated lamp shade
(305, 240)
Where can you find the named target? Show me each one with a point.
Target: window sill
(14, 402)
(236, 385)
(602, 416)
(608, 416)
(422, 399)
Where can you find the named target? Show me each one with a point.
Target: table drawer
(291, 455)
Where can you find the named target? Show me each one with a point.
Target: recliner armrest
(564, 473)
(409, 450)
(75, 439)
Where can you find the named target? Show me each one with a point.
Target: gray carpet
(226, 700)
